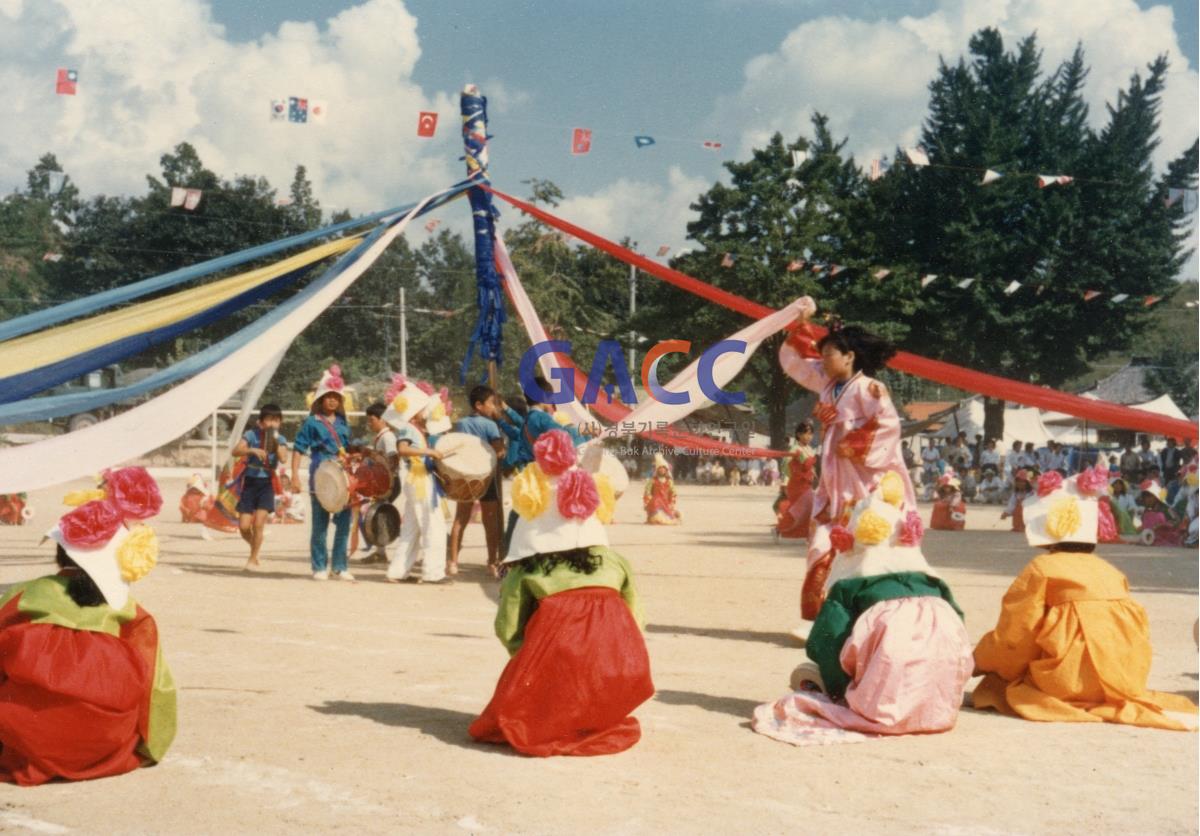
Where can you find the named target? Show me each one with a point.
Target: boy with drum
(324, 436)
(264, 448)
(481, 423)
(383, 442)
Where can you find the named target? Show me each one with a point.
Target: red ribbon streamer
(1101, 412)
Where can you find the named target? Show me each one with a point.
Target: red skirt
(70, 702)
(571, 687)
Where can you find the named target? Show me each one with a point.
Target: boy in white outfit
(413, 413)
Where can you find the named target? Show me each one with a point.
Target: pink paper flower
(1049, 482)
(841, 539)
(91, 525)
(555, 452)
(912, 529)
(133, 492)
(1092, 482)
(425, 387)
(577, 497)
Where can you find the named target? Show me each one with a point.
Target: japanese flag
(317, 108)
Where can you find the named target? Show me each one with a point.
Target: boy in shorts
(257, 500)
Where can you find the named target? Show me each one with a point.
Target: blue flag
(643, 141)
(297, 109)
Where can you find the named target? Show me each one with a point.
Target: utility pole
(632, 311)
(403, 335)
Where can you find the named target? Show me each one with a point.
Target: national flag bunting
(711, 145)
(55, 257)
(278, 110)
(882, 274)
(431, 225)
(1120, 297)
(192, 199)
(1045, 180)
(1089, 295)
(990, 176)
(917, 156)
(178, 195)
(64, 85)
(794, 265)
(727, 261)
(297, 109)
(643, 141)
(927, 280)
(581, 141)
(965, 283)
(427, 123)
(663, 250)
(317, 110)
(1012, 287)
(799, 158)
(1150, 300)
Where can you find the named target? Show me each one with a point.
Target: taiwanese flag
(581, 141)
(65, 85)
(427, 124)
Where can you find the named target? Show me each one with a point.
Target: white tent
(1069, 429)
(1022, 424)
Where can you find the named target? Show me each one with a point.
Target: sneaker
(344, 576)
(323, 575)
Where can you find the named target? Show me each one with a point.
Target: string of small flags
(298, 109)
(189, 199)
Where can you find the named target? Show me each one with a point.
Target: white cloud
(153, 73)
(871, 78)
(652, 214)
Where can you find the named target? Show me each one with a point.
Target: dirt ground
(310, 707)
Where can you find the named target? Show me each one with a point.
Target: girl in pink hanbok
(860, 432)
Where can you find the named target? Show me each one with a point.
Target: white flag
(1120, 297)
(1012, 288)
(965, 283)
(990, 176)
(917, 156)
(926, 281)
(882, 274)
(317, 110)
(178, 195)
(279, 110)
(57, 179)
(192, 199)
(1045, 180)
(799, 157)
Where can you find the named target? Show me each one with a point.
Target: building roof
(1125, 386)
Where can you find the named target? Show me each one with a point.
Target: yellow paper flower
(562, 418)
(438, 412)
(1063, 519)
(891, 488)
(138, 554)
(872, 529)
(531, 492)
(608, 498)
(400, 403)
(77, 498)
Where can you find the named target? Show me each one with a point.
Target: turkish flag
(427, 124)
(581, 141)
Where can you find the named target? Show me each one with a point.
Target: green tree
(1109, 231)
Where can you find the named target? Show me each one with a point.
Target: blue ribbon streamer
(39, 409)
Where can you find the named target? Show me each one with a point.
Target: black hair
(377, 409)
(581, 560)
(871, 351)
(270, 410)
(81, 587)
(544, 385)
(480, 394)
(1078, 548)
(803, 427)
(518, 404)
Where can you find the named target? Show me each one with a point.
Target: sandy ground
(311, 707)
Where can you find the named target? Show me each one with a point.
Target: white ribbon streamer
(167, 417)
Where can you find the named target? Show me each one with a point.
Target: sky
(156, 72)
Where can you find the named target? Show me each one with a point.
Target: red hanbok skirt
(569, 690)
(70, 703)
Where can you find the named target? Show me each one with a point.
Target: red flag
(793, 266)
(663, 250)
(1089, 295)
(581, 141)
(427, 123)
(711, 144)
(430, 226)
(65, 84)
(1150, 300)
(727, 261)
